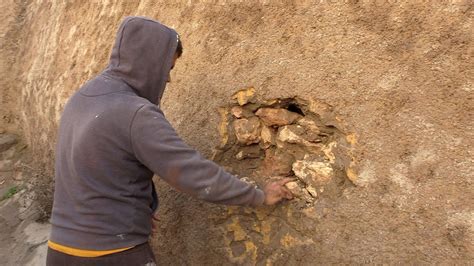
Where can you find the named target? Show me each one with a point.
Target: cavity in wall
(274, 138)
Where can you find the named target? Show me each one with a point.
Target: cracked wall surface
(395, 75)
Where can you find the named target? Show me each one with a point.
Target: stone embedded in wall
(249, 152)
(267, 136)
(247, 130)
(309, 124)
(313, 172)
(312, 191)
(294, 188)
(351, 173)
(328, 151)
(296, 134)
(240, 112)
(277, 116)
(322, 109)
(277, 163)
(291, 134)
(224, 128)
(252, 107)
(310, 131)
(244, 96)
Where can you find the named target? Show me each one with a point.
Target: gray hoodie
(112, 139)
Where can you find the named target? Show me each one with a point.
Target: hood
(142, 56)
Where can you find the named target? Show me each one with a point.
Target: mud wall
(396, 74)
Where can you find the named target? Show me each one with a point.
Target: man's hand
(275, 191)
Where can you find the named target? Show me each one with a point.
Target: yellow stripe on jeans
(83, 252)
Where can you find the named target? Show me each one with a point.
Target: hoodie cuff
(259, 198)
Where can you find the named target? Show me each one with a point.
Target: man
(112, 138)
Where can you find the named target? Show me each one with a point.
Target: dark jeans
(138, 255)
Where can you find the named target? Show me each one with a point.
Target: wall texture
(398, 75)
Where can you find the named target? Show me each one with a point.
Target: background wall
(399, 74)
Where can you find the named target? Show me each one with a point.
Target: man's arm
(158, 147)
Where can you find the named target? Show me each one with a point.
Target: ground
(397, 75)
(23, 228)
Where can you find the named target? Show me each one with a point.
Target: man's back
(112, 138)
(101, 188)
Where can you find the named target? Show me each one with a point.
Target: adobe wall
(396, 76)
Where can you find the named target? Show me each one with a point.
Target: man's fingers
(286, 193)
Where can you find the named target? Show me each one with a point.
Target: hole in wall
(286, 137)
(293, 107)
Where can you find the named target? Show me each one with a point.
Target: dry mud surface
(396, 75)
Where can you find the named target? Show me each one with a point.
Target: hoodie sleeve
(159, 148)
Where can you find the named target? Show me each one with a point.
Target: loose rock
(247, 130)
(313, 172)
(277, 116)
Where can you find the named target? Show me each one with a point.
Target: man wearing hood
(112, 138)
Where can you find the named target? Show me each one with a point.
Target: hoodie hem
(84, 240)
